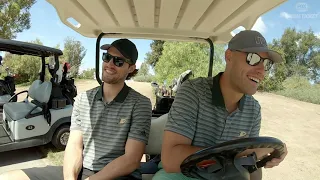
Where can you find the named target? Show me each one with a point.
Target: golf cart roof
(24, 48)
(183, 20)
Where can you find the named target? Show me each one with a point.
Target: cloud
(237, 30)
(317, 34)
(260, 26)
(285, 15)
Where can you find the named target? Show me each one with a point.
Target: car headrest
(156, 134)
(40, 91)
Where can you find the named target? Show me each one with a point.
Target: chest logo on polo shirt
(122, 121)
(242, 134)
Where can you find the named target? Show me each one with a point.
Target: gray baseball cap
(253, 41)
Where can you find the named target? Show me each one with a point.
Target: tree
(144, 69)
(88, 73)
(27, 67)
(301, 52)
(14, 17)
(178, 57)
(73, 53)
(156, 51)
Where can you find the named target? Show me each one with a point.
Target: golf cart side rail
(211, 55)
(25, 48)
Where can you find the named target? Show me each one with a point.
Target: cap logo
(261, 40)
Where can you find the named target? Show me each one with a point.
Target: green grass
(311, 94)
(52, 154)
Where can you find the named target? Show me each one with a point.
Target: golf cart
(7, 86)
(209, 21)
(163, 100)
(44, 115)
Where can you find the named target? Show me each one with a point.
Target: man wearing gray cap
(212, 110)
(109, 129)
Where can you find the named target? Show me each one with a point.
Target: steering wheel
(221, 161)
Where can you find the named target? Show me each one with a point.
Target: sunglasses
(253, 59)
(117, 61)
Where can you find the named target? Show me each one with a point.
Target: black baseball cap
(126, 47)
(252, 41)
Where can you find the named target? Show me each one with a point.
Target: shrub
(141, 78)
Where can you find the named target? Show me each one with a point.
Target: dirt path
(297, 124)
(294, 122)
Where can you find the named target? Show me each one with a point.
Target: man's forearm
(173, 159)
(72, 162)
(121, 166)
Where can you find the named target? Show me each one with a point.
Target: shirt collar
(217, 98)
(119, 98)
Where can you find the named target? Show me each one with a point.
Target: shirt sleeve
(75, 117)
(255, 130)
(141, 120)
(183, 113)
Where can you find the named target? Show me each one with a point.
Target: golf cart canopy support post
(211, 55)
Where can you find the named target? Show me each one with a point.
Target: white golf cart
(208, 21)
(163, 100)
(7, 86)
(45, 114)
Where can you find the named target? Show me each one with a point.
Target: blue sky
(46, 26)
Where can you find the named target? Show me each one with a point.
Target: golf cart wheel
(60, 137)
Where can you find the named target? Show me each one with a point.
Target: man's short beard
(112, 80)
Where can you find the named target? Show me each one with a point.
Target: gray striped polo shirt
(106, 126)
(199, 113)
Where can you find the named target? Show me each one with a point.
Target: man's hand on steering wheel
(276, 161)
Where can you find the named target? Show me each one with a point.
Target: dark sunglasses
(118, 61)
(253, 59)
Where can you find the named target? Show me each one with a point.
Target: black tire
(60, 137)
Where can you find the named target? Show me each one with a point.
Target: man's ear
(132, 68)
(228, 56)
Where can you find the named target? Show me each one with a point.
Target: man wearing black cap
(212, 110)
(109, 129)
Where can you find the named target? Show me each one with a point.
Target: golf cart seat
(155, 136)
(40, 92)
(148, 169)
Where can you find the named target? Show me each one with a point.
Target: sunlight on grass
(52, 154)
(311, 95)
